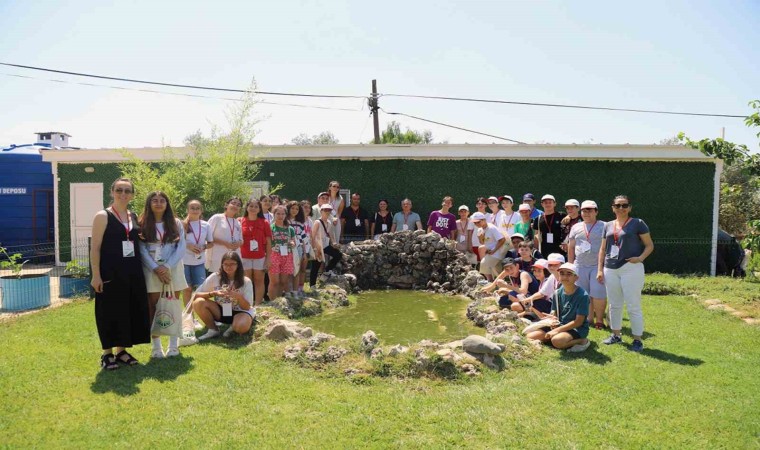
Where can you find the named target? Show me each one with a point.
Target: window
(258, 188)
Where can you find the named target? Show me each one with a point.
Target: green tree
(323, 138)
(217, 167)
(394, 135)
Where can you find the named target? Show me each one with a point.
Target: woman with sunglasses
(121, 300)
(625, 246)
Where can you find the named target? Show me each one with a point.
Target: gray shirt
(410, 221)
(587, 248)
(628, 241)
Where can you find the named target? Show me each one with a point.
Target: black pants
(335, 257)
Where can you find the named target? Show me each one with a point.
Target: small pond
(399, 317)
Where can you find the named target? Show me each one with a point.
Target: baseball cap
(524, 207)
(548, 197)
(588, 204)
(542, 263)
(569, 266)
(528, 196)
(323, 193)
(463, 207)
(572, 202)
(555, 258)
(517, 235)
(326, 206)
(492, 199)
(508, 261)
(478, 216)
(508, 197)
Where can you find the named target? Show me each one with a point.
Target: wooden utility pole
(373, 104)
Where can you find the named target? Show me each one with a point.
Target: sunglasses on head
(123, 191)
(621, 205)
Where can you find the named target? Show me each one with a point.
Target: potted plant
(19, 292)
(76, 279)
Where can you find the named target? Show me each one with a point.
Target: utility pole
(374, 108)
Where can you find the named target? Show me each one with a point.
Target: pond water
(399, 317)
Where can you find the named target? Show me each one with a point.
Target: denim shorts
(195, 275)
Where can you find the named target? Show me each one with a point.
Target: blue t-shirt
(570, 306)
(410, 221)
(628, 241)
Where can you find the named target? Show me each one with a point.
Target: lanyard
(128, 227)
(548, 226)
(616, 231)
(232, 227)
(356, 213)
(493, 217)
(406, 217)
(509, 221)
(197, 236)
(588, 232)
(464, 228)
(160, 235)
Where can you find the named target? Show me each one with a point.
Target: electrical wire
(556, 105)
(450, 126)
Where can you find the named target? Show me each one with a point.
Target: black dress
(121, 310)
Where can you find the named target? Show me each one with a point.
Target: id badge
(549, 238)
(584, 247)
(384, 227)
(405, 227)
(127, 249)
(614, 251)
(254, 245)
(462, 238)
(226, 309)
(284, 250)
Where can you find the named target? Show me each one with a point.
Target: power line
(186, 86)
(178, 94)
(556, 105)
(450, 126)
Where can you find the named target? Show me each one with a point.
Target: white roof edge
(52, 132)
(433, 151)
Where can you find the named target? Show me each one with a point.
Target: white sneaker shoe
(198, 326)
(209, 335)
(228, 332)
(157, 353)
(579, 347)
(172, 352)
(188, 341)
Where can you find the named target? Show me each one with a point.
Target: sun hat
(326, 206)
(548, 197)
(323, 193)
(478, 216)
(569, 266)
(463, 207)
(588, 204)
(506, 197)
(517, 235)
(572, 202)
(524, 207)
(493, 199)
(542, 263)
(556, 258)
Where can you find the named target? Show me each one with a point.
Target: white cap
(588, 204)
(326, 206)
(542, 263)
(569, 266)
(524, 207)
(572, 202)
(478, 216)
(556, 258)
(517, 235)
(463, 207)
(506, 197)
(548, 197)
(493, 199)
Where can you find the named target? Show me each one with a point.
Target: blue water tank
(26, 200)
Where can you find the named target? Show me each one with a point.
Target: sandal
(125, 358)
(599, 325)
(108, 362)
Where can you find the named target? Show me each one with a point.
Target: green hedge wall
(674, 198)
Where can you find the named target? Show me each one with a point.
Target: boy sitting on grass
(570, 307)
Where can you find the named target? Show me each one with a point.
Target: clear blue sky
(676, 55)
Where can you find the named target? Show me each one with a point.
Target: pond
(399, 317)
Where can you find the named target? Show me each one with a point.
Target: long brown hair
(186, 221)
(299, 216)
(147, 221)
(239, 280)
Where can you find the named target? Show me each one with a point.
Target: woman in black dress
(121, 300)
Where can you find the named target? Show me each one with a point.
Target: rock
(352, 371)
(340, 281)
(480, 345)
(472, 278)
(369, 341)
(334, 353)
(292, 352)
(454, 344)
(397, 350)
(427, 343)
(469, 369)
(376, 353)
(401, 281)
(490, 362)
(319, 338)
(282, 330)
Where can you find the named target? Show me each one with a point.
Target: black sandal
(108, 362)
(129, 361)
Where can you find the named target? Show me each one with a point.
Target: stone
(292, 352)
(376, 353)
(454, 344)
(397, 350)
(369, 341)
(480, 345)
(319, 338)
(282, 330)
(340, 281)
(469, 369)
(401, 281)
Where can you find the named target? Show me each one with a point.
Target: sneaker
(187, 341)
(228, 332)
(209, 335)
(198, 326)
(157, 353)
(170, 352)
(579, 347)
(613, 339)
(637, 346)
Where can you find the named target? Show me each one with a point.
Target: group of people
(224, 267)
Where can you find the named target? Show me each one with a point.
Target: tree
(323, 138)
(673, 140)
(394, 135)
(218, 167)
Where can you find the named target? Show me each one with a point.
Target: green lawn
(696, 385)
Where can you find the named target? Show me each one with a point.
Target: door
(86, 199)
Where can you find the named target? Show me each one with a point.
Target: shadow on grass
(125, 381)
(591, 355)
(671, 358)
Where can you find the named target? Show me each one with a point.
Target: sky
(692, 56)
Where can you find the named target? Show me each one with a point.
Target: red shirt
(258, 230)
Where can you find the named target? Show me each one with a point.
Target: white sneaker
(228, 332)
(198, 326)
(187, 341)
(579, 347)
(209, 335)
(172, 352)
(157, 353)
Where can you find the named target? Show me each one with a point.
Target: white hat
(556, 258)
(478, 216)
(588, 204)
(548, 197)
(506, 197)
(572, 202)
(524, 207)
(569, 266)
(326, 206)
(463, 207)
(493, 199)
(517, 235)
(542, 263)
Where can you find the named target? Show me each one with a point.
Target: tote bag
(168, 318)
(188, 327)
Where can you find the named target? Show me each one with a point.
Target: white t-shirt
(463, 234)
(495, 218)
(219, 228)
(199, 239)
(507, 224)
(492, 236)
(212, 283)
(475, 241)
(550, 285)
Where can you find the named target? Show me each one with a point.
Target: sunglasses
(123, 191)
(621, 205)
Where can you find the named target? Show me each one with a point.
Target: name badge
(284, 250)
(405, 227)
(614, 251)
(254, 245)
(549, 238)
(127, 249)
(226, 309)
(584, 247)
(155, 252)
(462, 238)
(357, 222)
(384, 227)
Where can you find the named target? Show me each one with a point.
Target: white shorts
(587, 280)
(253, 264)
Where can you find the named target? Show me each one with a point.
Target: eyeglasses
(158, 200)
(621, 205)
(124, 191)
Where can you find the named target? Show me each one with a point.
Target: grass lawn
(696, 385)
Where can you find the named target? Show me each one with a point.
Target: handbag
(168, 318)
(188, 327)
